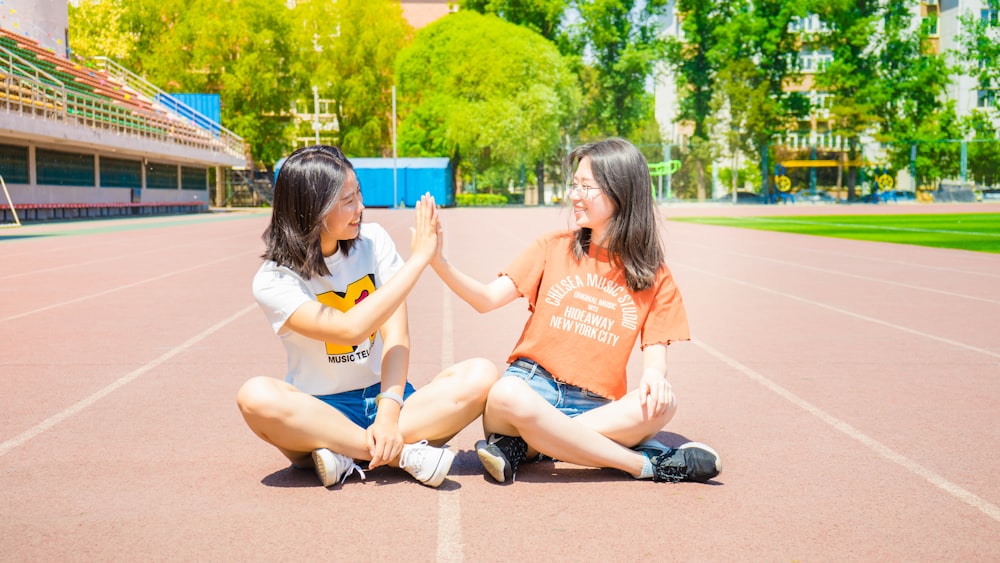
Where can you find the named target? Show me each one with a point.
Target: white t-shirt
(322, 368)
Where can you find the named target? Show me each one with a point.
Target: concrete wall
(45, 21)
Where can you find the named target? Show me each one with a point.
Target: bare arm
(655, 392)
(320, 322)
(483, 297)
(385, 441)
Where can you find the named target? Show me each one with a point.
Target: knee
(478, 375)
(258, 396)
(507, 396)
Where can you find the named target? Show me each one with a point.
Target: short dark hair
(633, 234)
(307, 188)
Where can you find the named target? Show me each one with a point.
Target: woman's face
(592, 208)
(343, 222)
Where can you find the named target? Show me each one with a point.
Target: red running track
(851, 388)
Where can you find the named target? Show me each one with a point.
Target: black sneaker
(500, 455)
(692, 461)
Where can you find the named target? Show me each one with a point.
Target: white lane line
(76, 408)
(873, 320)
(118, 288)
(447, 331)
(886, 452)
(849, 275)
(980, 256)
(449, 536)
(158, 250)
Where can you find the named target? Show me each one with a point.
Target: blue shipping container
(414, 178)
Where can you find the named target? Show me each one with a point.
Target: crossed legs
(601, 437)
(297, 423)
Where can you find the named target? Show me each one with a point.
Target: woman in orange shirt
(592, 292)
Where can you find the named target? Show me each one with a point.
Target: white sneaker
(332, 467)
(427, 464)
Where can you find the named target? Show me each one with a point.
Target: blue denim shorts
(569, 399)
(359, 404)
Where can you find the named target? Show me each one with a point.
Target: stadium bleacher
(52, 93)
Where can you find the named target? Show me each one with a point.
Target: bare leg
(297, 423)
(449, 403)
(599, 438)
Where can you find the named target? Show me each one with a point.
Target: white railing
(125, 76)
(25, 89)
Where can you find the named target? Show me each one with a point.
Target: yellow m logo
(356, 291)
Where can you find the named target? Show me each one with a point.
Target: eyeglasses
(583, 190)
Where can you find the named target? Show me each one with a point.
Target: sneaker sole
(321, 472)
(442, 469)
(493, 462)
(718, 458)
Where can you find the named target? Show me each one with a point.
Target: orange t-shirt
(585, 319)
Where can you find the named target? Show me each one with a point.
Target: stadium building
(97, 140)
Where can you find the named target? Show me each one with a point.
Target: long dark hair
(632, 237)
(307, 188)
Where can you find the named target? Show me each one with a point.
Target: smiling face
(592, 208)
(343, 221)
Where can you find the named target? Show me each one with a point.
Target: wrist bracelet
(391, 396)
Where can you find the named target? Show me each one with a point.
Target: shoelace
(667, 467)
(406, 460)
(352, 469)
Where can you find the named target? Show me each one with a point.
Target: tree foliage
(757, 95)
(696, 72)
(979, 54)
(97, 29)
(620, 40)
(483, 92)
(348, 51)
(237, 49)
(544, 17)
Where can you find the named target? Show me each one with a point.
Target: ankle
(647, 468)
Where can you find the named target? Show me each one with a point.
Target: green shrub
(486, 200)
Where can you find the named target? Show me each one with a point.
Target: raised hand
(424, 240)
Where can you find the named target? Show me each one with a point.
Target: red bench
(45, 211)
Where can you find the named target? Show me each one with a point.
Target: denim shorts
(569, 399)
(359, 404)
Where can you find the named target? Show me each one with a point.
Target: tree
(984, 150)
(851, 79)
(696, 72)
(620, 40)
(544, 17)
(912, 81)
(347, 50)
(237, 49)
(935, 152)
(96, 30)
(483, 92)
(756, 94)
(979, 54)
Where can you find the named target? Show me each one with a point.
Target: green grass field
(966, 231)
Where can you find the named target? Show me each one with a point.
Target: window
(121, 173)
(194, 178)
(14, 164)
(986, 98)
(930, 25)
(57, 168)
(161, 176)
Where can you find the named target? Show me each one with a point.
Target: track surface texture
(852, 389)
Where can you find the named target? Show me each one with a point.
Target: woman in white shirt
(333, 289)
